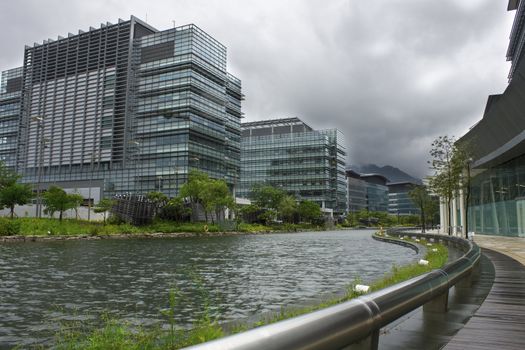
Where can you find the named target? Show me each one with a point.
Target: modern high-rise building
(289, 154)
(399, 200)
(497, 189)
(122, 108)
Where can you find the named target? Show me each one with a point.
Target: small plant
(9, 227)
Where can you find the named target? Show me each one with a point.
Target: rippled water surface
(42, 284)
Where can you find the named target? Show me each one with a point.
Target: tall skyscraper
(125, 108)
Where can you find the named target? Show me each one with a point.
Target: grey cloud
(391, 74)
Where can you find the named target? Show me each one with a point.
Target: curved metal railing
(359, 320)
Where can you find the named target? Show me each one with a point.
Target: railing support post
(369, 343)
(438, 304)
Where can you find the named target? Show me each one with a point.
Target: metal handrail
(353, 321)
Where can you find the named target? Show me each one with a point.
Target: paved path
(511, 246)
(500, 321)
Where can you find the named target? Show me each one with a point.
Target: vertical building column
(462, 212)
(454, 216)
(441, 215)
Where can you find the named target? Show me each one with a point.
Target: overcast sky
(392, 75)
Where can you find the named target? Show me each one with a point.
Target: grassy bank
(73, 227)
(117, 335)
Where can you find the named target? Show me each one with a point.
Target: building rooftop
(275, 122)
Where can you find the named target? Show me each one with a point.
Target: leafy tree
(267, 197)
(104, 206)
(309, 211)
(175, 210)
(193, 189)
(250, 213)
(217, 197)
(56, 199)
(213, 195)
(424, 202)
(15, 194)
(159, 199)
(287, 208)
(76, 201)
(448, 162)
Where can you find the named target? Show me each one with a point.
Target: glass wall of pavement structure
(288, 154)
(10, 95)
(497, 200)
(187, 110)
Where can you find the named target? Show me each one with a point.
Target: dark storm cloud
(391, 74)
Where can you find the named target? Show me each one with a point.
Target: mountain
(393, 174)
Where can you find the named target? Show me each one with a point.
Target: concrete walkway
(511, 246)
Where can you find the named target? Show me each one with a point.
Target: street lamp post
(40, 137)
(467, 197)
(90, 185)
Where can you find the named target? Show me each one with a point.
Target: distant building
(357, 198)
(399, 201)
(289, 154)
(124, 108)
(376, 192)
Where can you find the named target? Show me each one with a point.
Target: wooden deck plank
(500, 321)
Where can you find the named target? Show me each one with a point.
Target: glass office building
(376, 192)
(289, 154)
(497, 188)
(399, 201)
(10, 95)
(357, 198)
(127, 108)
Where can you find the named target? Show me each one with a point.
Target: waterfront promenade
(500, 320)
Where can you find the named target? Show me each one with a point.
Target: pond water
(44, 283)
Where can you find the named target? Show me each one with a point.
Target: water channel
(45, 283)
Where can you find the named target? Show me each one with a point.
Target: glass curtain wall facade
(497, 141)
(188, 109)
(497, 200)
(289, 154)
(356, 191)
(399, 201)
(376, 192)
(10, 95)
(128, 108)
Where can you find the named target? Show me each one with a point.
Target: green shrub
(9, 227)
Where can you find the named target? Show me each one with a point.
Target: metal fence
(358, 321)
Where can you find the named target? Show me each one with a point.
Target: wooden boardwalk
(500, 321)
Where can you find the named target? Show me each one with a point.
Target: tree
(218, 197)
(422, 200)
(287, 208)
(309, 211)
(56, 199)
(448, 161)
(159, 199)
(267, 197)
(7, 176)
(193, 190)
(15, 194)
(75, 200)
(103, 206)
(175, 210)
